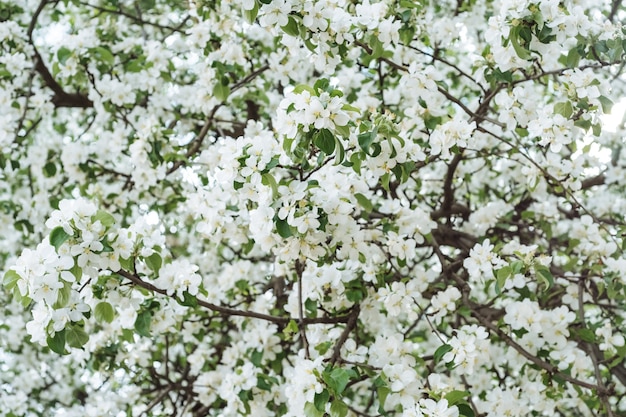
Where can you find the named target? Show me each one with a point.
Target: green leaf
(517, 267)
(325, 140)
(364, 202)
(350, 107)
(103, 54)
(106, 219)
(188, 300)
(10, 279)
(407, 33)
(147, 4)
(441, 351)
(382, 393)
(256, 357)
(343, 131)
(268, 180)
(596, 129)
(519, 43)
(63, 55)
(303, 87)
(283, 228)
(265, 382)
(465, 410)
(586, 335)
(545, 276)
(341, 152)
(323, 347)
(251, 15)
(501, 276)
(338, 379)
(221, 91)
(77, 271)
(455, 396)
(104, 312)
(366, 139)
(58, 237)
(311, 307)
(321, 399)
(377, 47)
(583, 124)
(564, 108)
(573, 58)
(49, 169)
(127, 335)
(134, 65)
(606, 103)
(63, 296)
(291, 328)
(338, 409)
(154, 261)
(56, 343)
(142, 323)
(291, 28)
(311, 411)
(76, 336)
(321, 84)
(384, 181)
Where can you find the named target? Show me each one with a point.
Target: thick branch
(448, 190)
(60, 98)
(590, 182)
(614, 9)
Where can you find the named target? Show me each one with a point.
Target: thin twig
(227, 311)
(301, 324)
(450, 64)
(136, 19)
(592, 354)
(350, 325)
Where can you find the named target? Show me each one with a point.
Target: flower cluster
(289, 208)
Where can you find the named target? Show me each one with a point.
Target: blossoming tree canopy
(312, 208)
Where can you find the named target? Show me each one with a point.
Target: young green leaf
(142, 323)
(75, 336)
(154, 261)
(325, 140)
(104, 312)
(441, 351)
(106, 219)
(58, 236)
(10, 279)
(56, 343)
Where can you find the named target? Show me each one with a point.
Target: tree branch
(60, 98)
(450, 64)
(196, 143)
(301, 324)
(592, 354)
(475, 312)
(350, 325)
(614, 9)
(227, 311)
(136, 19)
